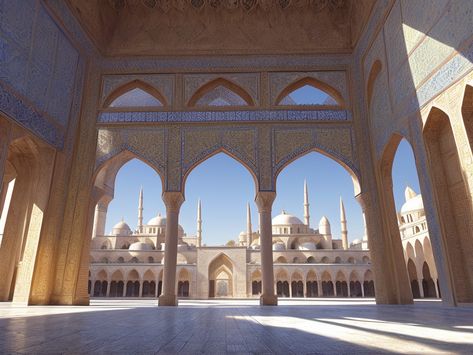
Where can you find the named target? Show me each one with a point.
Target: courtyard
(302, 326)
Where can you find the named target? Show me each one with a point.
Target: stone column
(349, 291)
(319, 288)
(108, 288)
(100, 217)
(173, 202)
(264, 201)
(421, 288)
(362, 290)
(140, 294)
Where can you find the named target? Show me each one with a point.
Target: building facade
(307, 262)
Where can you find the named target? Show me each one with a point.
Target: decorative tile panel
(164, 83)
(278, 81)
(223, 116)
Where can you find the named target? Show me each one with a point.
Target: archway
(133, 284)
(311, 284)
(428, 284)
(26, 182)
(282, 283)
(297, 285)
(221, 277)
(183, 284)
(256, 283)
(452, 200)
(368, 284)
(149, 284)
(341, 286)
(117, 285)
(355, 285)
(411, 269)
(100, 284)
(327, 285)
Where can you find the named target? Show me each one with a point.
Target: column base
(167, 301)
(268, 300)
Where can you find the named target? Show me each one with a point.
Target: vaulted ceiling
(189, 27)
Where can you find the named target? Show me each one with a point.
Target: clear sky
(225, 186)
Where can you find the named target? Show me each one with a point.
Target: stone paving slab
(303, 326)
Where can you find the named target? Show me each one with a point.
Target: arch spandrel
(290, 143)
(198, 144)
(147, 144)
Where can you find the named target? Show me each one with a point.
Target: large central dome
(285, 219)
(158, 221)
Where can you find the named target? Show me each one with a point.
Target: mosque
(308, 262)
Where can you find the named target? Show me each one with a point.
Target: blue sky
(225, 186)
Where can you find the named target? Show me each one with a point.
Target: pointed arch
(149, 275)
(314, 83)
(133, 275)
(107, 170)
(221, 259)
(340, 276)
(205, 155)
(215, 84)
(123, 90)
(348, 166)
(117, 275)
(373, 75)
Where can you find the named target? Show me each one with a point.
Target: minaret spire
(199, 224)
(249, 231)
(343, 223)
(306, 205)
(140, 211)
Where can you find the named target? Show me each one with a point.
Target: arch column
(264, 200)
(100, 216)
(391, 279)
(108, 288)
(5, 137)
(173, 202)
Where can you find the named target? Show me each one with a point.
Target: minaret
(199, 224)
(249, 231)
(306, 205)
(343, 222)
(140, 211)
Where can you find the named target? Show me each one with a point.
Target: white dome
(139, 246)
(158, 221)
(285, 219)
(242, 237)
(279, 246)
(307, 246)
(356, 241)
(412, 205)
(121, 228)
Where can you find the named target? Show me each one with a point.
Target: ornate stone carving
(226, 116)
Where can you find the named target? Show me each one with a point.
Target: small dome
(255, 242)
(279, 246)
(242, 237)
(158, 221)
(356, 241)
(182, 246)
(412, 205)
(139, 246)
(324, 226)
(121, 228)
(285, 219)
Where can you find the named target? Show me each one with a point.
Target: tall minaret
(140, 211)
(306, 205)
(343, 222)
(199, 224)
(249, 231)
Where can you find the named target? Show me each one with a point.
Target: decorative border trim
(225, 116)
(20, 112)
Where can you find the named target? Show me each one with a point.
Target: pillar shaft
(100, 218)
(173, 202)
(264, 201)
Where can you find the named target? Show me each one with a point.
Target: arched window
(220, 92)
(135, 94)
(310, 92)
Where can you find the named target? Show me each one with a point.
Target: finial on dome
(283, 212)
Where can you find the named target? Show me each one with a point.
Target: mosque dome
(413, 204)
(182, 246)
(279, 246)
(324, 226)
(356, 241)
(140, 246)
(121, 228)
(160, 221)
(255, 243)
(242, 237)
(157, 221)
(285, 219)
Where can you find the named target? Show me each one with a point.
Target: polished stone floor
(322, 326)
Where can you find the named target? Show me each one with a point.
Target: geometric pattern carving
(278, 81)
(247, 81)
(146, 143)
(198, 143)
(292, 142)
(223, 116)
(163, 83)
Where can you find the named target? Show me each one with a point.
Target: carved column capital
(173, 200)
(264, 200)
